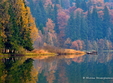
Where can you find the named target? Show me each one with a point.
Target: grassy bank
(46, 52)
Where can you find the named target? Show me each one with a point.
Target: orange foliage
(78, 10)
(50, 37)
(78, 59)
(50, 77)
(62, 19)
(49, 25)
(78, 44)
(33, 28)
(62, 22)
(59, 8)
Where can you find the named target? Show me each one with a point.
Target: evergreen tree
(96, 24)
(18, 70)
(57, 1)
(70, 30)
(78, 24)
(55, 18)
(38, 11)
(71, 2)
(43, 17)
(21, 26)
(94, 21)
(106, 21)
(90, 27)
(41, 27)
(65, 4)
(84, 28)
(84, 5)
(78, 3)
(15, 27)
(4, 18)
(50, 13)
(12, 32)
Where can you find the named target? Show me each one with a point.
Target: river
(59, 69)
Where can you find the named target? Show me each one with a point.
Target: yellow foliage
(33, 28)
(23, 15)
(40, 51)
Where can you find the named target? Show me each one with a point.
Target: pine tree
(84, 5)
(78, 3)
(90, 27)
(84, 28)
(96, 24)
(43, 15)
(106, 21)
(15, 26)
(49, 11)
(71, 2)
(55, 18)
(70, 30)
(41, 28)
(21, 26)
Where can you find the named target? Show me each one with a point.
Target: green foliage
(106, 20)
(84, 5)
(41, 27)
(82, 19)
(55, 18)
(76, 25)
(16, 70)
(78, 3)
(70, 31)
(71, 2)
(14, 27)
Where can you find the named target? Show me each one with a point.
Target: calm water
(61, 69)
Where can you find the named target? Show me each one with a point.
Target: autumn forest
(73, 24)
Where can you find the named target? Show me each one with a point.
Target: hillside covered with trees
(74, 24)
(77, 24)
(17, 26)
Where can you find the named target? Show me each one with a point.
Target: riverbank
(47, 52)
(44, 54)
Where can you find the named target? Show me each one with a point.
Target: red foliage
(62, 19)
(62, 22)
(78, 44)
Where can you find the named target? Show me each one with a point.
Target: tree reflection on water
(58, 69)
(70, 69)
(17, 70)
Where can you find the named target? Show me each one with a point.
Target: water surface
(60, 69)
